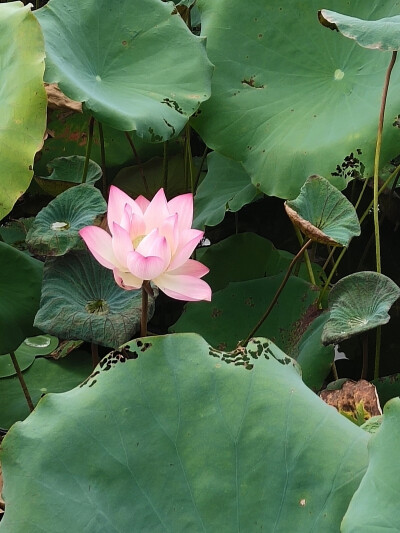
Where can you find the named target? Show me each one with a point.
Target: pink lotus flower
(150, 241)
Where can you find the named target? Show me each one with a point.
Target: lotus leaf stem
(277, 294)
(103, 160)
(138, 162)
(22, 381)
(165, 168)
(88, 149)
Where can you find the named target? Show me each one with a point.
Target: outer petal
(183, 206)
(183, 287)
(121, 244)
(191, 268)
(189, 239)
(117, 200)
(126, 280)
(99, 243)
(156, 212)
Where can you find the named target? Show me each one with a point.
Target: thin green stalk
(329, 278)
(188, 159)
(138, 162)
(376, 161)
(103, 160)
(88, 149)
(364, 371)
(306, 255)
(377, 351)
(334, 371)
(203, 158)
(22, 381)
(165, 168)
(277, 294)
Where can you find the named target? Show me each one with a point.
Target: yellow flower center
(137, 241)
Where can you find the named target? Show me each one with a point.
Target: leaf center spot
(339, 74)
(97, 307)
(60, 226)
(98, 78)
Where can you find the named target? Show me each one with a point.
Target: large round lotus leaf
(56, 227)
(23, 100)
(226, 187)
(291, 99)
(358, 303)
(383, 34)
(247, 256)
(375, 507)
(80, 300)
(195, 444)
(26, 353)
(137, 67)
(236, 309)
(20, 285)
(323, 214)
(67, 172)
(44, 375)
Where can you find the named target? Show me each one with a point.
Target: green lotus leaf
(137, 67)
(56, 228)
(44, 375)
(20, 285)
(247, 256)
(290, 99)
(358, 303)
(23, 100)
(26, 353)
(67, 172)
(323, 214)
(374, 507)
(226, 187)
(80, 300)
(195, 443)
(383, 34)
(14, 232)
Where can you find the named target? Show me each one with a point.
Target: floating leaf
(56, 228)
(226, 187)
(375, 507)
(323, 214)
(119, 66)
(44, 375)
(67, 172)
(23, 100)
(196, 444)
(382, 34)
(80, 300)
(358, 303)
(20, 285)
(289, 99)
(26, 353)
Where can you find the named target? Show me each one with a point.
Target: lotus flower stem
(138, 162)
(22, 381)
(103, 160)
(377, 351)
(146, 290)
(95, 354)
(88, 149)
(376, 162)
(277, 294)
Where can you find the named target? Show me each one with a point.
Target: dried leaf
(56, 99)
